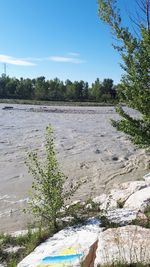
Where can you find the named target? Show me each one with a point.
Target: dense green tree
(61, 91)
(40, 90)
(107, 90)
(78, 91)
(103, 91)
(107, 86)
(69, 90)
(24, 89)
(55, 90)
(135, 84)
(86, 91)
(11, 87)
(95, 92)
(3, 81)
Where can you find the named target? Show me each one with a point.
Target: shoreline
(55, 103)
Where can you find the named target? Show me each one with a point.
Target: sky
(57, 38)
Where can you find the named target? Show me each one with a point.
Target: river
(88, 148)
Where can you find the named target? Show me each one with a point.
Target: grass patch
(81, 212)
(27, 244)
(147, 212)
(143, 222)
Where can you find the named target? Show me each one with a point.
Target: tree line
(56, 90)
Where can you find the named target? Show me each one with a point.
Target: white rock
(109, 203)
(67, 219)
(121, 216)
(105, 202)
(79, 239)
(75, 203)
(89, 206)
(139, 200)
(100, 199)
(125, 190)
(133, 186)
(119, 195)
(147, 178)
(128, 244)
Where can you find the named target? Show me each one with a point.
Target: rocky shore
(119, 232)
(98, 244)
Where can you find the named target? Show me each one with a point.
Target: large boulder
(75, 242)
(125, 190)
(139, 200)
(128, 244)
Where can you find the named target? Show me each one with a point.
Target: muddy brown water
(88, 149)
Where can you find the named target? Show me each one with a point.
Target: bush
(47, 196)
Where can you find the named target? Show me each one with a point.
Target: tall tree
(3, 81)
(96, 90)
(11, 87)
(134, 49)
(40, 89)
(24, 89)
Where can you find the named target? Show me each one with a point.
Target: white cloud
(66, 59)
(15, 61)
(74, 54)
(73, 58)
(35, 59)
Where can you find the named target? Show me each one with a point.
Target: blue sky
(56, 38)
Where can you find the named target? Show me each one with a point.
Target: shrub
(47, 197)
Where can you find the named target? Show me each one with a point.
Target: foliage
(48, 192)
(55, 90)
(27, 244)
(81, 211)
(103, 91)
(134, 89)
(47, 197)
(147, 212)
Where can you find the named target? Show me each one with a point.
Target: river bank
(88, 148)
(56, 103)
